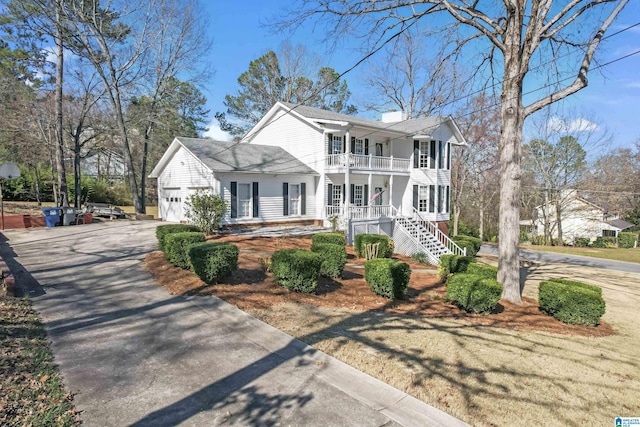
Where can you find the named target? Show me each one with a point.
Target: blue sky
(612, 98)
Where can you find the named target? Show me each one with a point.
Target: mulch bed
(250, 287)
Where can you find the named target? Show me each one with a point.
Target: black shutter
(416, 154)
(366, 146)
(234, 199)
(351, 198)
(432, 196)
(330, 144)
(365, 195)
(256, 204)
(303, 199)
(415, 197)
(353, 144)
(447, 196)
(285, 199)
(344, 192)
(330, 195)
(432, 154)
(448, 156)
(440, 155)
(344, 143)
(439, 198)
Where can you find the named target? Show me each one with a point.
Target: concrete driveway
(134, 355)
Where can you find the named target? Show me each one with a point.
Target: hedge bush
(177, 246)
(334, 258)
(213, 260)
(387, 277)
(450, 264)
(470, 243)
(384, 250)
(571, 303)
(163, 230)
(332, 238)
(473, 292)
(483, 270)
(627, 240)
(596, 289)
(296, 269)
(605, 242)
(581, 242)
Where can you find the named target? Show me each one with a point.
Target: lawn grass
(616, 254)
(32, 391)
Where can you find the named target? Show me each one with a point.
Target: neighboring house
(580, 218)
(306, 165)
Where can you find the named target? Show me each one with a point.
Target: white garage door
(171, 204)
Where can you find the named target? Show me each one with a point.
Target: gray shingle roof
(242, 157)
(409, 127)
(620, 224)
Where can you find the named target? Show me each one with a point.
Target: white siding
(270, 196)
(182, 173)
(579, 219)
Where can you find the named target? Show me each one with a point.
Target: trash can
(69, 216)
(51, 216)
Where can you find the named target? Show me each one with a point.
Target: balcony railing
(361, 212)
(359, 161)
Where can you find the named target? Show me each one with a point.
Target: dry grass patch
(515, 366)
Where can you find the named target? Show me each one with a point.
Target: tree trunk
(76, 175)
(62, 176)
(510, 171)
(143, 178)
(559, 221)
(456, 219)
(545, 216)
(481, 228)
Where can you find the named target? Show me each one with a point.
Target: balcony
(338, 162)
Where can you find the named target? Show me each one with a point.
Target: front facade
(304, 164)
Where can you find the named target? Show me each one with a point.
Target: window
(336, 145)
(443, 198)
(358, 147)
(244, 200)
(294, 199)
(423, 198)
(358, 195)
(608, 233)
(378, 196)
(424, 154)
(336, 196)
(378, 149)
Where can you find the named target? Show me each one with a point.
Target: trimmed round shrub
(483, 270)
(581, 242)
(384, 248)
(387, 277)
(296, 269)
(332, 238)
(474, 293)
(177, 245)
(571, 303)
(627, 240)
(472, 244)
(334, 258)
(450, 264)
(211, 261)
(594, 288)
(163, 230)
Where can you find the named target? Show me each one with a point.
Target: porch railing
(432, 228)
(361, 212)
(360, 161)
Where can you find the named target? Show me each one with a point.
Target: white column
(347, 181)
(370, 183)
(391, 193)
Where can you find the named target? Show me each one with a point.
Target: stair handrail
(400, 221)
(442, 237)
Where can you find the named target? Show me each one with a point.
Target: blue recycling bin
(51, 216)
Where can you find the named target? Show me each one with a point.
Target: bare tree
(527, 34)
(475, 167)
(410, 77)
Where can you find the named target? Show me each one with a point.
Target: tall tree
(264, 84)
(413, 78)
(526, 34)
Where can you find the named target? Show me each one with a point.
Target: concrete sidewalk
(134, 355)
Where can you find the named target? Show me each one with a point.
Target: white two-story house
(305, 165)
